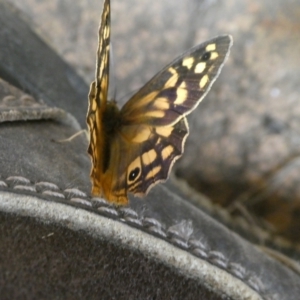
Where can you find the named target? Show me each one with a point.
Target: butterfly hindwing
(142, 162)
(155, 157)
(179, 87)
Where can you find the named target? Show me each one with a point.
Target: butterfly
(135, 147)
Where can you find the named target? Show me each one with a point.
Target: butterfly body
(135, 147)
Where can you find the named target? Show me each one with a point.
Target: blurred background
(244, 145)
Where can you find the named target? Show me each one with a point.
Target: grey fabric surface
(48, 261)
(31, 65)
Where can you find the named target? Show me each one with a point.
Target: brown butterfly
(134, 148)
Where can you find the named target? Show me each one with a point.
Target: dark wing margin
(177, 90)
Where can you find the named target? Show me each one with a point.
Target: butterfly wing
(154, 123)
(98, 99)
(154, 157)
(177, 90)
(139, 161)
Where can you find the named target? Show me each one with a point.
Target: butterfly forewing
(97, 100)
(179, 87)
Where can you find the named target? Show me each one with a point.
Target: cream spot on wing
(182, 94)
(172, 70)
(141, 134)
(94, 105)
(164, 131)
(162, 103)
(149, 157)
(200, 67)
(94, 135)
(155, 114)
(153, 172)
(146, 99)
(211, 68)
(203, 81)
(188, 62)
(210, 47)
(106, 32)
(104, 85)
(101, 68)
(158, 141)
(173, 79)
(167, 151)
(213, 55)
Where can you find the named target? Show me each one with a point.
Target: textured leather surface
(28, 63)
(58, 242)
(63, 264)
